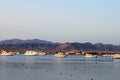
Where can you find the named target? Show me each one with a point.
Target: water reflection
(50, 68)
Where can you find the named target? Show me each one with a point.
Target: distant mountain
(89, 47)
(76, 46)
(36, 44)
(19, 41)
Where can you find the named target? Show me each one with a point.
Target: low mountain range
(19, 41)
(36, 44)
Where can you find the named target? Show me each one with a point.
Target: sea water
(20, 67)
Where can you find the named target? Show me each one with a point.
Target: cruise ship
(31, 53)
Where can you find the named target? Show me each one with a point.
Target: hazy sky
(92, 21)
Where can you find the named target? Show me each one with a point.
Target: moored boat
(116, 56)
(4, 53)
(31, 53)
(90, 56)
(41, 53)
(60, 55)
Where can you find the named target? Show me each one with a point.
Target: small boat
(31, 53)
(41, 53)
(90, 56)
(116, 56)
(108, 55)
(4, 53)
(60, 55)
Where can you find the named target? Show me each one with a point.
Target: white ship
(60, 55)
(31, 53)
(41, 53)
(90, 56)
(4, 53)
(116, 56)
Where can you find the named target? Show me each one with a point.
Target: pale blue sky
(95, 21)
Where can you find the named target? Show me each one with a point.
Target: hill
(36, 44)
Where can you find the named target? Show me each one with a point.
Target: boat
(116, 56)
(31, 53)
(108, 55)
(60, 55)
(41, 53)
(4, 53)
(90, 56)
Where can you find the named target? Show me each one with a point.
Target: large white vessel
(60, 55)
(41, 53)
(90, 56)
(4, 53)
(31, 53)
(116, 56)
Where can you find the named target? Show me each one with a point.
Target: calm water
(50, 68)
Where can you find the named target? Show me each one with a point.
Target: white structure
(41, 53)
(60, 55)
(116, 56)
(4, 53)
(90, 56)
(31, 53)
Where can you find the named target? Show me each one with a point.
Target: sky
(95, 21)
